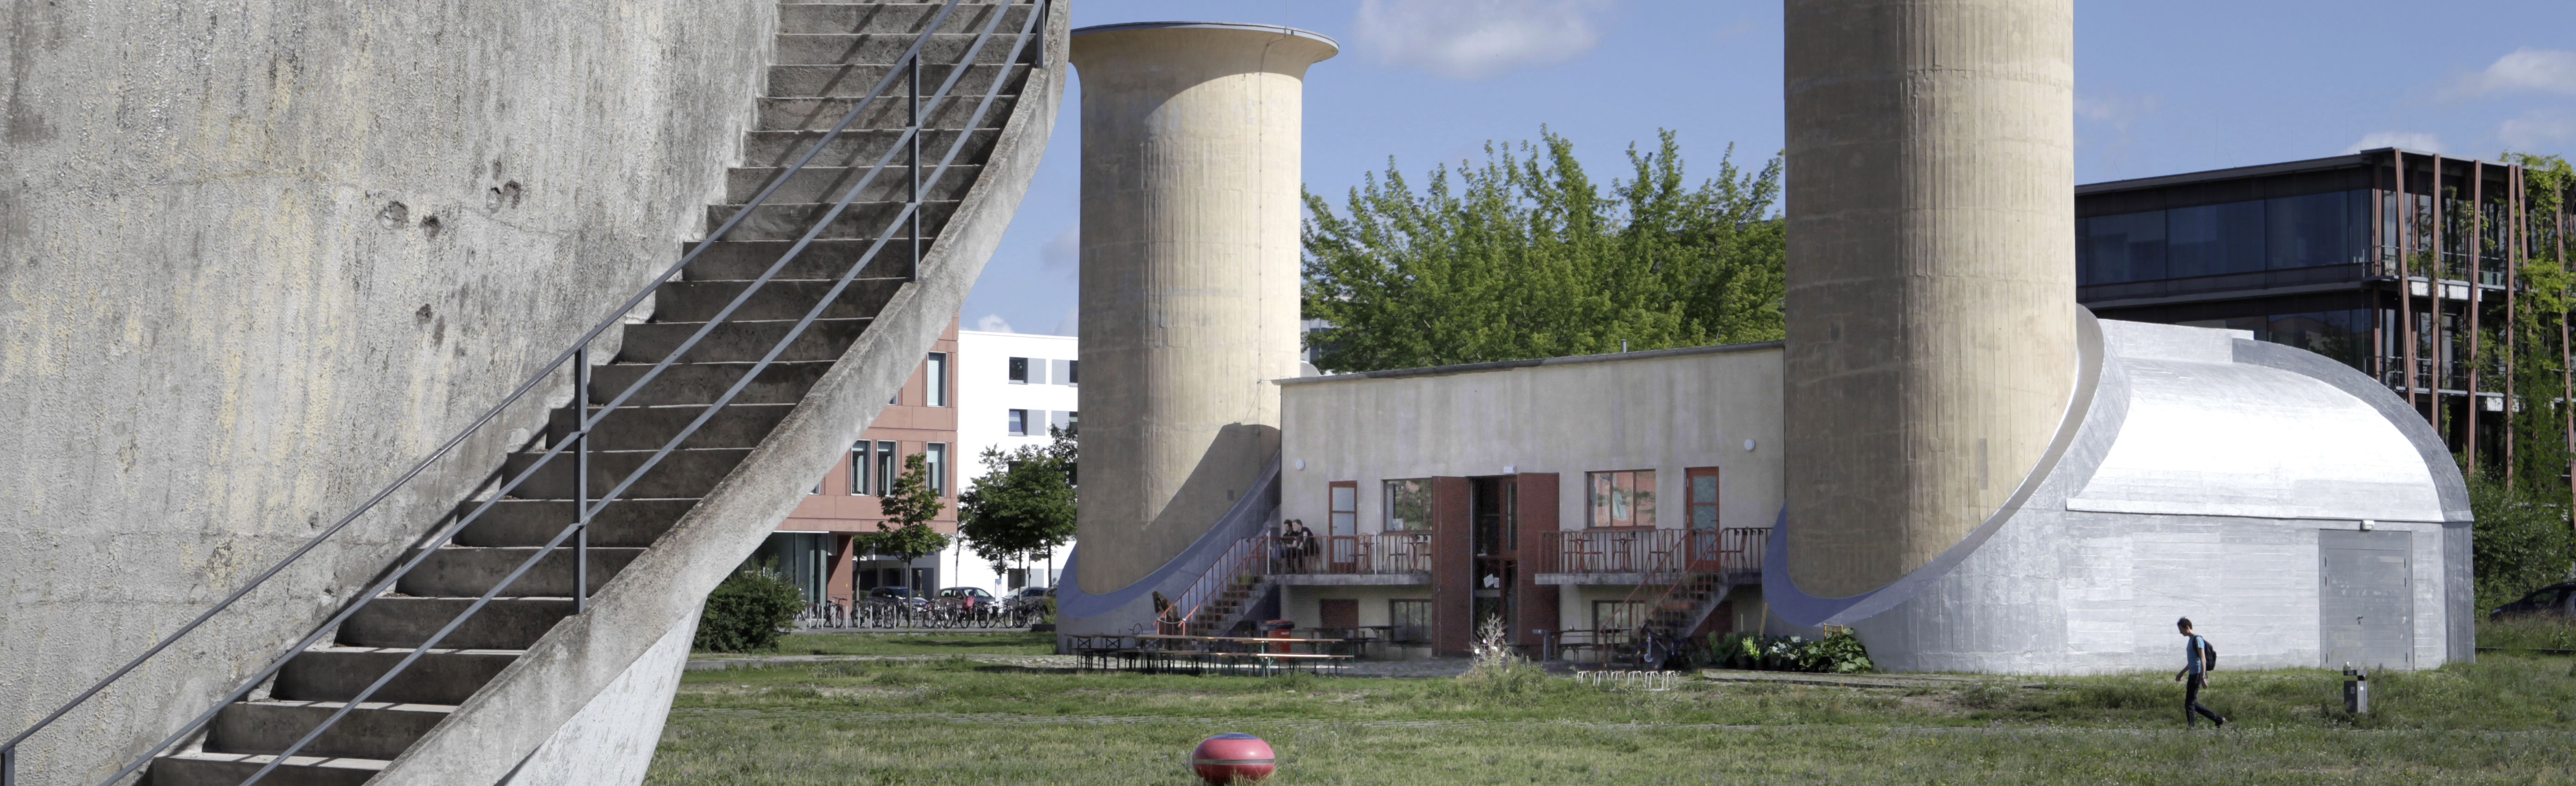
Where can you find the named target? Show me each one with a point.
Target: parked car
(1032, 593)
(2555, 600)
(897, 594)
(968, 597)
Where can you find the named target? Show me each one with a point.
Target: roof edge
(1500, 365)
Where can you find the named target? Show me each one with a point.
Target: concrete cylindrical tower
(1931, 272)
(1190, 197)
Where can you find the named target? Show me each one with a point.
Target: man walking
(2197, 659)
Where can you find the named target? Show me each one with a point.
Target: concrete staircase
(828, 54)
(1676, 613)
(1230, 612)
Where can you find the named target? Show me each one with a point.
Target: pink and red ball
(1233, 758)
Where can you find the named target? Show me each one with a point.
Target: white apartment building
(1010, 388)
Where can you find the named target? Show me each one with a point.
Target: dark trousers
(2191, 703)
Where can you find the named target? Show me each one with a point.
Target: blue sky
(2161, 87)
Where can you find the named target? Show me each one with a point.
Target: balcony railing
(1382, 553)
(1734, 551)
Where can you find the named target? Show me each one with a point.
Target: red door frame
(1704, 542)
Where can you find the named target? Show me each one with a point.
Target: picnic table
(1156, 653)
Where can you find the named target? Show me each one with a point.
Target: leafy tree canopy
(1023, 506)
(908, 509)
(1525, 257)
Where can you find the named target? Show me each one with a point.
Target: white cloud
(2411, 140)
(2536, 129)
(2117, 109)
(1474, 39)
(1071, 324)
(994, 323)
(2525, 70)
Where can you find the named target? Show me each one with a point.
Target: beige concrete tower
(1190, 189)
(1931, 272)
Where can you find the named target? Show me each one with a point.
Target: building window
(887, 466)
(1622, 499)
(859, 468)
(938, 467)
(1019, 422)
(1617, 614)
(936, 394)
(1411, 619)
(1019, 371)
(1408, 505)
(1345, 508)
(1073, 372)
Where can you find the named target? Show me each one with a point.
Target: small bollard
(2356, 691)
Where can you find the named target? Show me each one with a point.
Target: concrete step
(819, 114)
(827, 184)
(700, 383)
(441, 676)
(821, 260)
(861, 147)
(648, 428)
(230, 769)
(682, 473)
(466, 571)
(861, 220)
(374, 730)
(817, 81)
(698, 301)
(883, 48)
(404, 621)
(532, 522)
(740, 341)
(907, 18)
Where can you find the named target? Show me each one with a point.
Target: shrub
(1840, 652)
(2520, 542)
(745, 613)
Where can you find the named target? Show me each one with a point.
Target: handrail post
(9, 766)
(912, 271)
(581, 480)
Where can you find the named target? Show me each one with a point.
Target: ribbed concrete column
(1931, 272)
(1190, 184)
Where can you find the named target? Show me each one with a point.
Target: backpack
(2208, 655)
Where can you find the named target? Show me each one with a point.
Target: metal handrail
(908, 64)
(1243, 558)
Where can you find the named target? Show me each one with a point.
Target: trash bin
(1279, 629)
(2356, 691)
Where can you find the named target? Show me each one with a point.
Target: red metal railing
(1244, 559)
(1382, 553)
(1654, 551)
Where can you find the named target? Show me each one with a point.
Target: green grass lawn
(942, 643)
(2508, 718)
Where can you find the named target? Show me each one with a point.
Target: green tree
(909, 506)
(745, 612)
(1023, 506)
(2520, 541)
(1526, 257)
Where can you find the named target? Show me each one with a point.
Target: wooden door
(1702, 509)
(1535, 604)
(1453, 569)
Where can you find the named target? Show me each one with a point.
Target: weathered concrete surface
(1930, 299)
(1191, 139)
(610, 742)
(257, 257)
(662, 590)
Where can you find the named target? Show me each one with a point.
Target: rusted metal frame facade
(2476, 244)
(2513, 255)
(2405, 277)
(2442, 354)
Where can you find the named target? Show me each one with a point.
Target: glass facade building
(2387, 260)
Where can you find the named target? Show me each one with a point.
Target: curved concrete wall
(1190, 200)
(257, 258)
(1930, 302)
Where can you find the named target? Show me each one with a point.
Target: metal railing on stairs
(921, 105)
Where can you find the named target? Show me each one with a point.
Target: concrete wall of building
(1190, 205)
(1666, 410)
(1930, 302)
(986, 395)
(257, 258)
(611, 741)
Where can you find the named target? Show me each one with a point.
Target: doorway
(2365, 599)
